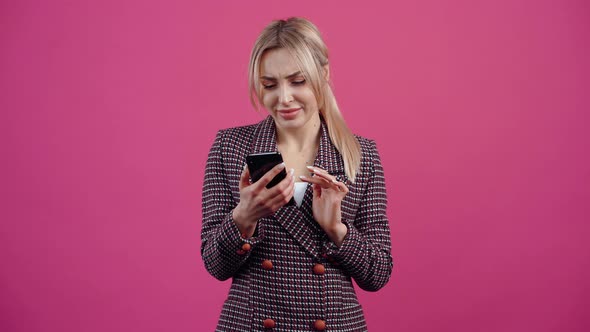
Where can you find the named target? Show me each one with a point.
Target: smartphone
(260, 163)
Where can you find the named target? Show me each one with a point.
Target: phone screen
(260, 163)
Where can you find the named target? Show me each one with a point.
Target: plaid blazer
(290, 276)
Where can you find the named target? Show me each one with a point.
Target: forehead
(277, 63)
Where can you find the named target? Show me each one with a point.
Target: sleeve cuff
(346, 252)
(232, 243)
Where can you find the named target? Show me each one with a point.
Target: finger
(268, 176)
(342, 187)
(325, 184)
(274, 197)
(291, 193)
(317, 190)
(335, 184)
(317, 180)
(322, 173)
(244, 177)
(291, 190)
(280, 198)
(288, 181)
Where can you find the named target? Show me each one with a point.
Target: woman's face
(286, 94)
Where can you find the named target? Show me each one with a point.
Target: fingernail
(302, 177)
(292, 171)
(244, 167)
(334, 181)
(309, 167)
(282, 165)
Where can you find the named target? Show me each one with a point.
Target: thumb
(245, 177)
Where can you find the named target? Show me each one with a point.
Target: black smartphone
(260, 163)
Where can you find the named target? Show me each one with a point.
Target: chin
(291, 124)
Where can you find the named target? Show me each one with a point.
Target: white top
(299, 192)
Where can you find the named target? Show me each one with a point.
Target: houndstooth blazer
(289, 276)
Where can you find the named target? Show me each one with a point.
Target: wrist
(337, 233)
(245, 226)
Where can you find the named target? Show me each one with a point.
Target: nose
(285, 95)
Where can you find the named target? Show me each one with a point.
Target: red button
(269, 323)
(267, 264)
(246, 247)
(319, 269)
(319, 325)
(240, 252)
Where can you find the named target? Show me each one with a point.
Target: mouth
(289, 111)
(289, 114)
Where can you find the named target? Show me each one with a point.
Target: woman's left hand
(327, 198)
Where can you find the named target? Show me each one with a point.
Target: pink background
(479, 110)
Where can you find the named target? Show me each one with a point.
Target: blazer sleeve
(365, 252)
(223, 249)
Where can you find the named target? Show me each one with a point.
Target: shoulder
(367, 145)
(239, 135)
(237, 132)
(231, 145)
(364, 141)
(370, 159)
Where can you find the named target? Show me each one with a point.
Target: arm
(365, 252)
(222, 247)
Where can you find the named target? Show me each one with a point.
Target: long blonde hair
(303, 41)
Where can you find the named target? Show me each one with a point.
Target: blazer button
(319, 325)
(268, 323)
(319, 269)
(267, 264)
(246, 247)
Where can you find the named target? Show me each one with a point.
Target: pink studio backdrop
(479, 109)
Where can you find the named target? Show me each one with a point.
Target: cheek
(309, 98)
(267, 99)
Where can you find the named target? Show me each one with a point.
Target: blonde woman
(292, 265)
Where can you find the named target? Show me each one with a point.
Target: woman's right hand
(257, 201)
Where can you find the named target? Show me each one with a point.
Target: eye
(299, 82)
(268, 87)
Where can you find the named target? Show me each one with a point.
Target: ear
(327, 72)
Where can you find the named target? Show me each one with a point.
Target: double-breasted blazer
(290, 276)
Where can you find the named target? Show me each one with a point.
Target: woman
(292, 265)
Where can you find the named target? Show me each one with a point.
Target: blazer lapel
(265, 136)
(299, 221)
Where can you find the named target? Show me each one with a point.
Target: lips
(290, 110)
(289, 114)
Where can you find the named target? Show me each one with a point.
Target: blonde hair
(303, 41)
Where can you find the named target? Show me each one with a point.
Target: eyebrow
(270, 78)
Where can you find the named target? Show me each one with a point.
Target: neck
(301, 139)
